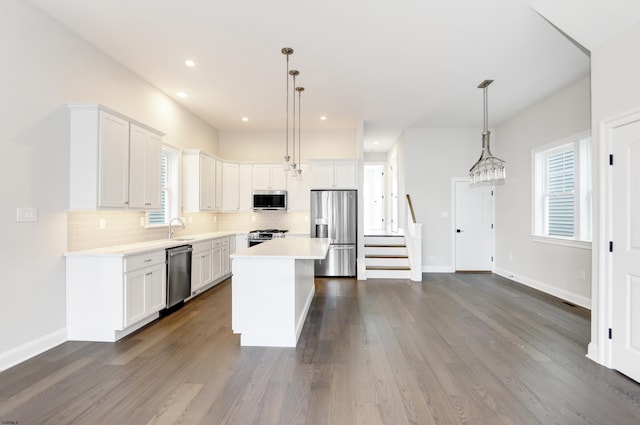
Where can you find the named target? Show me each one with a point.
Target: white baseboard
(546, 288)
(31, 349)
(437, 269)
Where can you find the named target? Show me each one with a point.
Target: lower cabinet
(209, 263)
(201, 265)
(145, 293)
(110, 296)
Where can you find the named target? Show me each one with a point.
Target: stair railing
(414, 242)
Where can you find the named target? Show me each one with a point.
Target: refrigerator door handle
(342, 247)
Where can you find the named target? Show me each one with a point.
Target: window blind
(560, 193)
(160, 216)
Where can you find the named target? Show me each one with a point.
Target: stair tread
(384, 246)
(388, 268)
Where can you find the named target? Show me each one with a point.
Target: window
(562, 190)
(169, 186)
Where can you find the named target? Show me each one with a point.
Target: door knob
(458, 231)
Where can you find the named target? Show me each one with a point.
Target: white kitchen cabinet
(231, 187)
(269, 177)
(145, 168)
(241, 242)
(298, 192)
(334, 173)
(144, 292)
(216, 259)
(224, 256)
(198, 181)
(209, 263)
(111, 296)
(218, 186)
(201, 265)
(246, 188)
(100, 160)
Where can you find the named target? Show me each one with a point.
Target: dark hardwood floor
(453, 349)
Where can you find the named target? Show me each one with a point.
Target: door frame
(600, 348)
(452, 220)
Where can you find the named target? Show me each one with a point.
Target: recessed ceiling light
(323, 118)
(182, 94)
(375, 142)
(245, 119)
(190, 63)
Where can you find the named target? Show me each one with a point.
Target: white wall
(45, 66)
(269, 145)
(615, 82)
(430, 158)
(551, 268)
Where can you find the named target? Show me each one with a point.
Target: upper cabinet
(145, 168)
(218, 186)
(246, 188)
(299, 198)
(269, 177)
(231, 190)
(236, 188)
(198, 181)
(334, 174)
(112, 166)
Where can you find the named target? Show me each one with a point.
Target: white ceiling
(392, 64)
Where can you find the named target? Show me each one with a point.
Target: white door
(393, 198)
(625, 258)
(373, 195)
(473, 226)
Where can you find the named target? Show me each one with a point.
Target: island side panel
(263, 291)
(305, 289)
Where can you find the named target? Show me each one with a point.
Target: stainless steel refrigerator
(334, 215)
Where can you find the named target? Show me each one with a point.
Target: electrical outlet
(26, 215)
(582, 275)
(141, 221)
(102, 224)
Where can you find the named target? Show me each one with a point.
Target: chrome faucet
(171, 223)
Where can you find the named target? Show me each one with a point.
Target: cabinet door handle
(147, 203)
(148, 274)
(148, 260)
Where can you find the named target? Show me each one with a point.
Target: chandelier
(488, 168)
(290, 161)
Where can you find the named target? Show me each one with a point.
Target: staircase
(386, 257)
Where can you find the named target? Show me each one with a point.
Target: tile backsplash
(293, 221)
(94, 229)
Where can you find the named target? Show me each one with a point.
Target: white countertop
(142, 247)
(291, 248)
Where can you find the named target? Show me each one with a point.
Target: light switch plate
(26, 215)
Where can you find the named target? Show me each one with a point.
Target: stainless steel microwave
(269, 199)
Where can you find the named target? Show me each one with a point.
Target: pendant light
(488, 168)
(287, 51)
(299, 171)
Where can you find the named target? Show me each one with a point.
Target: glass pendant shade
(488, 168)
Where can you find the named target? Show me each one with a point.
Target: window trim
(581, 144)
(174, 171)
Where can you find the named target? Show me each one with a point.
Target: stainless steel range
(256, 237)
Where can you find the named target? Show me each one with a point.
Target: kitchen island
(272, 290)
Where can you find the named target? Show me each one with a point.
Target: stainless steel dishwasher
(178, 274)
